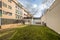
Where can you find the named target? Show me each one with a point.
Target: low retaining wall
(11, 26)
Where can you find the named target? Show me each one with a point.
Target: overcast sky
(36, 7)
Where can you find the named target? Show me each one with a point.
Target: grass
(6, 34)
(35, 32)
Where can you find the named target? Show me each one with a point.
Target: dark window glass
(9, 7)
(0, 4)
(7, 21)
(16, 6)
(0, 12)
(10, 14)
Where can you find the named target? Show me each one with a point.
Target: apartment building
(26, 16)
(52, 17)
(25, 13)
(10, 12)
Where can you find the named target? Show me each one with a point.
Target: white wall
(52, 17)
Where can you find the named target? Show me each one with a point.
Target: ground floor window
(9, 21)
(0, 12)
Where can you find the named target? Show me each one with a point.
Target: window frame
(0, 13)
(4, 4)
(9, 7)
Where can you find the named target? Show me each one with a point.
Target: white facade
(52, 17)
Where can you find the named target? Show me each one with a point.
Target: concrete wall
(52, 17)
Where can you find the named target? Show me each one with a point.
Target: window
(16, 11)
(20, 12)
(5, 21)
(0, 4)
(10, 14)
(16, 6)
(4, 12)
(10, 1)
(0, 12)
(4, 4)
(9, 7)
(17, 16)
(7, 13)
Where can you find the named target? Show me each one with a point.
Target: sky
(36, 7)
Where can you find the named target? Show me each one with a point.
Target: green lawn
(6, 34)
(34, 32)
